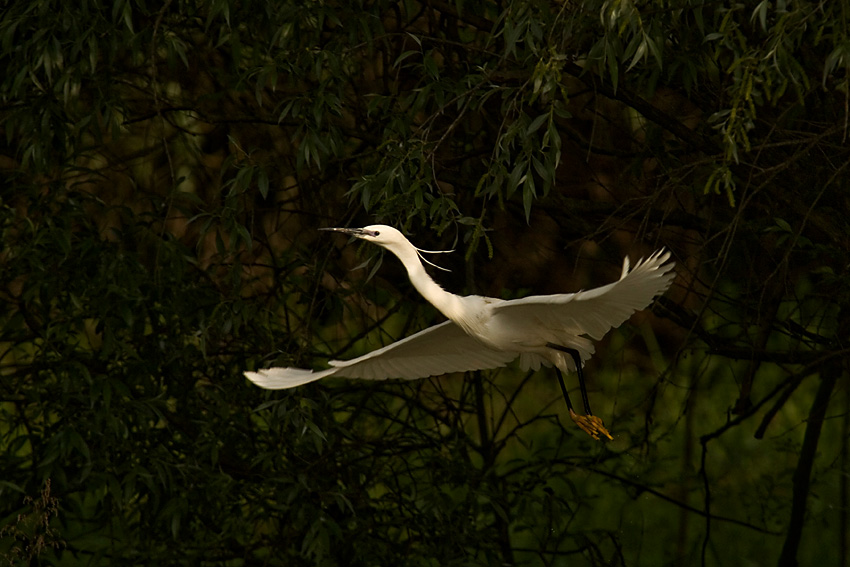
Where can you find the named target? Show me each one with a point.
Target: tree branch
(802, 475)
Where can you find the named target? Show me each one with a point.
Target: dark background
(165, 167)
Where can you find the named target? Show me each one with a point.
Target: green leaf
(760, 13)
(640, 53)
(536, 124)
(782, 224)
(404, 55)
(263, 182)
(528, 195)
(517, 177)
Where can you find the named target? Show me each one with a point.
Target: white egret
(486, 332)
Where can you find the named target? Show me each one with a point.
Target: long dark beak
(359, 232)
(344, 230)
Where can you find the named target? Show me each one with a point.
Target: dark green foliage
(164, 167)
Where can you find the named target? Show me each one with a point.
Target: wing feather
(434, 351)
(595, 311)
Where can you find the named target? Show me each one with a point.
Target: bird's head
(379, 234)
(389, 238)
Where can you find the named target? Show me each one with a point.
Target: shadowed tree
(165, 167)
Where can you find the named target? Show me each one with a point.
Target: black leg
(589, 423)
(564, 389)
(577, 360)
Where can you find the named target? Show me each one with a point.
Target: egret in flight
(486, 332)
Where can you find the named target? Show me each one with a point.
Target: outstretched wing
(434, 351)
(595, 311)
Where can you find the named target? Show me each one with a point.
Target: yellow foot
(591, 425)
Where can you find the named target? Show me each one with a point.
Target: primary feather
(434, 351)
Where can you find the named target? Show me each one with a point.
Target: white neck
(448, 303)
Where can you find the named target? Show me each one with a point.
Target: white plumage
(485, 332)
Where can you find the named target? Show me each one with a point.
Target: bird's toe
(590, 424)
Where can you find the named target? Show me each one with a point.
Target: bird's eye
(376, 233)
